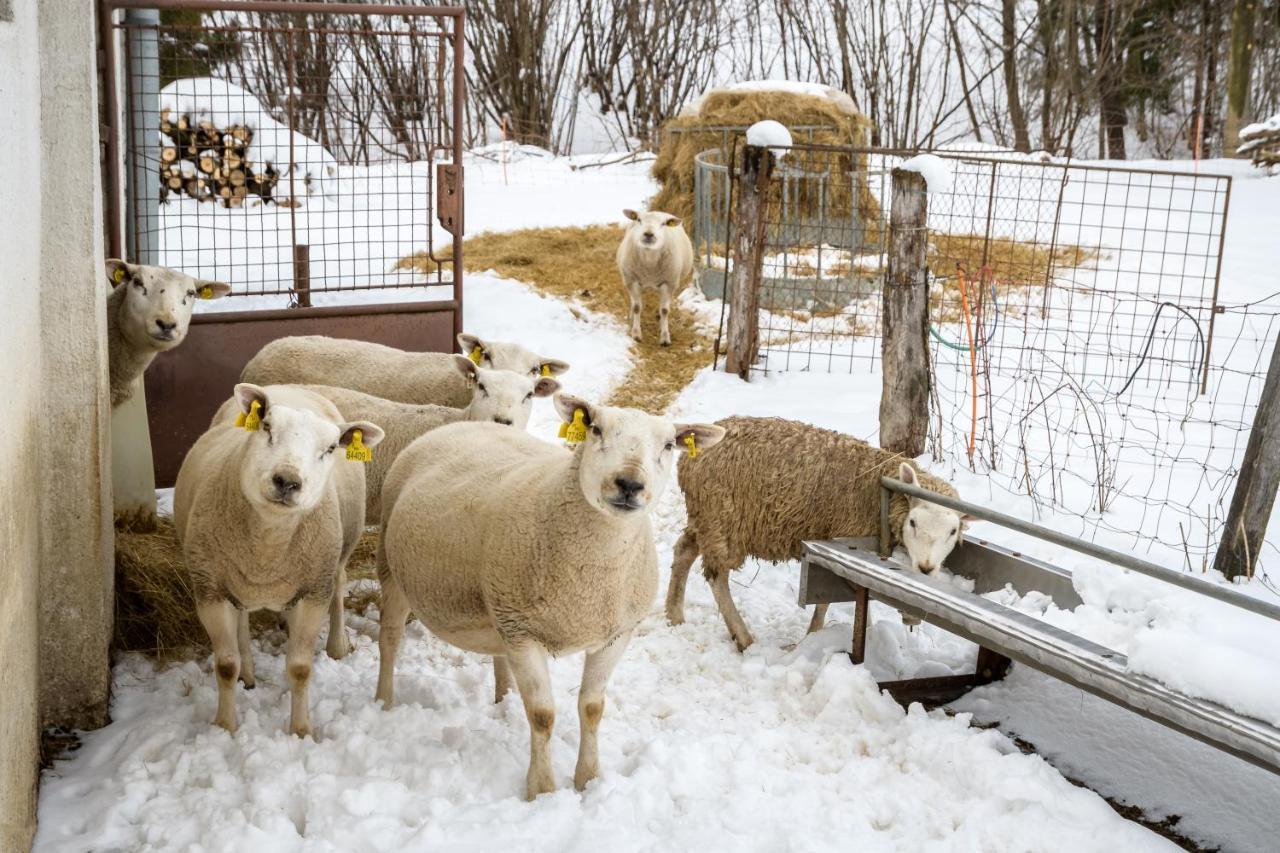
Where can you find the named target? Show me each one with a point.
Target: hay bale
(155, 606)
(699, 129)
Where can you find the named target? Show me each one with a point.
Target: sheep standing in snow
(655, 254)
(268, 515)
(386, 372)
(148, 312)
(775, 483)
(506, 545)
(500, 396)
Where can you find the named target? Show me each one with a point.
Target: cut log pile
(209, 163)
(1261, 142)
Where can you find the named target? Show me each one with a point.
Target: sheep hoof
(664, 343)
(302, 731)
(582, 777)
(534, 787)
(249, 683)
(743, 643)
(675, 618)
(338, 647)
(227, 725)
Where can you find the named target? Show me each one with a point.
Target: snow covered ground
(786, 747)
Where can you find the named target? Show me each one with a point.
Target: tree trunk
(1111, 106)
(1239, 70)
(904, 398)
(748, 260)
(1009, 44)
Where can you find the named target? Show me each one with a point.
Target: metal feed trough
(858, 570)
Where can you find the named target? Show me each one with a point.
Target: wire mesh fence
(1080, 353)
(289, 153)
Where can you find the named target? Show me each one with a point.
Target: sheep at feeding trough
(506, 545)
(777, 482)
(268, 513)
(148, 312)
(500, 396)
(655, 254)
(386, 372)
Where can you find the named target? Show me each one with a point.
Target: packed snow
(770, 134)
(936, 171)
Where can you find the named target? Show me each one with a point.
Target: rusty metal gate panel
(309, 154)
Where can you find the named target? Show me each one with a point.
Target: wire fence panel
(1080, 351)
(289, 151)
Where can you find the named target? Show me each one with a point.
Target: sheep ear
(553, 367)
(705, 436)
(673, 221)
(567, 404)
(467, 343)
(907, 474)
(212, 289)
(468, 368)
(631, 214)
(370, 434)
(246, 393)
(545, 387)
(118, 272)
(966, 520)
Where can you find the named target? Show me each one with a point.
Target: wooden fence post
(1256, 489)
(904, 400)
(748, 260)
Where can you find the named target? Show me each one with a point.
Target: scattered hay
(686, 136)
(577, 264)
(155, 606)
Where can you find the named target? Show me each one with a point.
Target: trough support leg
(991, 666)
(861, 602)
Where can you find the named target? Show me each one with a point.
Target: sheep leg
(246, 653)
(664, 312)
(305, 620)
(636, 297)
(719, 580)
(686, 551)
(595, 675)
(819, 619)
(219, 620)
(394, 607)
(528, 662)
(338, 646)
(502, 682)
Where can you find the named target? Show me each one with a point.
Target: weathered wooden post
(904, 400)
(748, 259)
(1256, 489)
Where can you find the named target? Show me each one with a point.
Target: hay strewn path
(577, 265)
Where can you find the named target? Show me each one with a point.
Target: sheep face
(627, 454)
(929, 531)
(158, 302)
(497, 355)
(649, 230)
(285, 466)
(502, 396)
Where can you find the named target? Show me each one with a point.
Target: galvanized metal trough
(842, 570)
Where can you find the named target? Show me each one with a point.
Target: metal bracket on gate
(449, 197)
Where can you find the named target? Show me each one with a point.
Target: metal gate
(309, 154)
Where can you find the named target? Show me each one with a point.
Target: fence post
(748, 260)
(904, 400)
(1256, 489)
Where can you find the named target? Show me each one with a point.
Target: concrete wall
(55, 534)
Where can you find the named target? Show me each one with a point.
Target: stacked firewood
(1261, 142)
(209, 163)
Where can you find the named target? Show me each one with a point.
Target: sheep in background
(267, 516)
(655, 254)
(148, 312)
(775, 483)
(500, 397)
(386, 372)
(506, 545)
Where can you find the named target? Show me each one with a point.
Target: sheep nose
(927, 568)
(628, 488)
(165, 327)
(285, 483)
(503, 421)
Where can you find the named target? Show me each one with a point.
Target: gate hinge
(449, 197)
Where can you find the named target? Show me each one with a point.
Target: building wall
(55, 534)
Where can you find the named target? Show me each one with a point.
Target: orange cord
(973, 360)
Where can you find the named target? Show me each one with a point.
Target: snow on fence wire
(1080, 352)
(290, 153)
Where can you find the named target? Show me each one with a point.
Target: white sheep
(386, 372)
(773, 484)
(268, 515)
(655, 254)
(506, 545)
(500, 396)
(148, 312)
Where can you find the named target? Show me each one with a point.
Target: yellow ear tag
(691, 443)
(118, 275)
(206, 292)
(576, 432)
(356, 451)
(252, 422)
(546, 370)
(476, 354)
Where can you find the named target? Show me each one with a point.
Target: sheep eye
(913, 524)
(953, 533)
(482, 389)
(535, 371)
(669, 446)
(142, 287)
(595, 430)
(528, 397)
